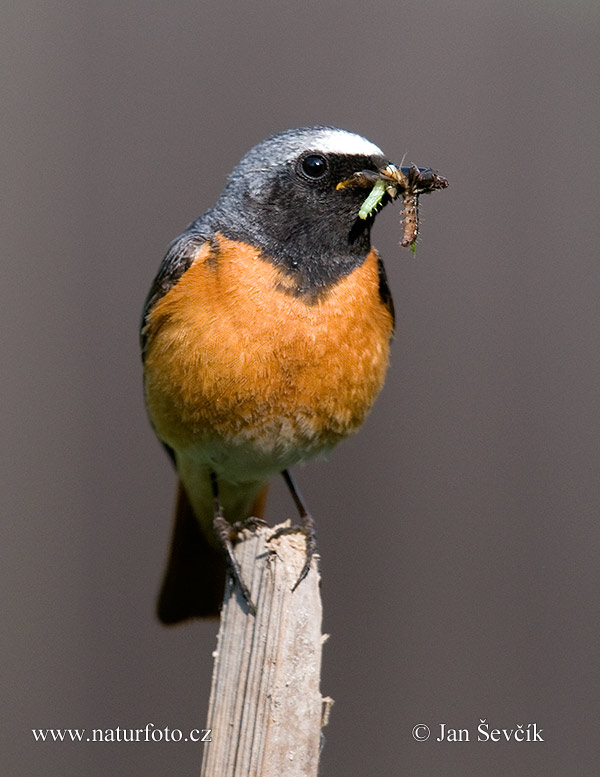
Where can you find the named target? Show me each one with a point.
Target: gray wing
(177, 260)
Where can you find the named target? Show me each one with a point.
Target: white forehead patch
(343, 142)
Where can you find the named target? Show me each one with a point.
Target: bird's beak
(394, 181)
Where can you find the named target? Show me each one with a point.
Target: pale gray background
(459, 531)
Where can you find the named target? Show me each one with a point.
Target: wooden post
(266, 711)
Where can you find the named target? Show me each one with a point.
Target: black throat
(311, 233)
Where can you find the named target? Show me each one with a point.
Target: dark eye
(314, 166)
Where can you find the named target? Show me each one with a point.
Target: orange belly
(236, 362)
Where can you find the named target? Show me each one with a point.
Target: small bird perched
(265, 340)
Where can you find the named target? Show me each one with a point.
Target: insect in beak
(407, 182)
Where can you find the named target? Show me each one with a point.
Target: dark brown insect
(409, 183)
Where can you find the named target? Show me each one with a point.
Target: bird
(265, 340)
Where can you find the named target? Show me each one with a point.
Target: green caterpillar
(373, 199)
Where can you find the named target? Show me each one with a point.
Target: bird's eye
(314, 166)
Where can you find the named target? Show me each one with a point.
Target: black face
(294, 212)
(302, 199)
(323, 172)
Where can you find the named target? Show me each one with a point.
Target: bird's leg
(225, 532)
(307, 527)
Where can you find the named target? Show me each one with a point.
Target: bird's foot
(227, 534)
(307, 527)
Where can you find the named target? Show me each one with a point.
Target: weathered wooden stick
(266, 711)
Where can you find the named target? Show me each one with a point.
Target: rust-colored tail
(194, 582)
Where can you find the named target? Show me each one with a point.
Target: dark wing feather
(177, 260)
(384, 291)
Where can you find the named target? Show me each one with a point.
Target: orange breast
(234, 358)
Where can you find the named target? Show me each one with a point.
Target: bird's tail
(194, 581)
